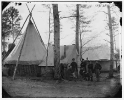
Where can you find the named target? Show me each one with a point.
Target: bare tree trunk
(56, 42)
(111, 44)
(77, 35)
(77, 28)
(48, 40)
(81, 50)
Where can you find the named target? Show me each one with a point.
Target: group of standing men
(86, 69)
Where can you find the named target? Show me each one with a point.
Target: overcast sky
(67, 34)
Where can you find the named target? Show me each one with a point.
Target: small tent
(31, 51)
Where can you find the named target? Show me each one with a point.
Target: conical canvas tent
(31, 51)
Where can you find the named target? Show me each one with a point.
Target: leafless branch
(66, 17)
(65, 37)
(90, 48)
(115, 12)
(104, 12)
(107, 41)
(105, 20)
(85, 51)
(116, 35)
(107, 34)
(88, 41)
(92, 38)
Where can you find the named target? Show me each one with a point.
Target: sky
(67, 31)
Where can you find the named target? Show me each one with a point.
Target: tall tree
(10, 22)
(113, 27)
(77, 28)
(111, 43)
(84, 25)
(56, 42)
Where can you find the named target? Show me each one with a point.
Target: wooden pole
(21, 50)
(56, 41)
(35, 26)
(111, 44)
(19, 57)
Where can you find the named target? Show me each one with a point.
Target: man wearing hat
(83, 65)
(74, 68)
(90, 71)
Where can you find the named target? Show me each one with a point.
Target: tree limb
(106, 40)
(104, 12)
(107, 34)
(116, 35)
(88, 41)
(85, 51)
(90, 48)
(66, 17)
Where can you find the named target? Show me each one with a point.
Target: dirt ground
(32, 88)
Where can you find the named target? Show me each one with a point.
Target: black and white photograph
(61, 49)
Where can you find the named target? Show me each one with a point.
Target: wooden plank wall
(25, 70)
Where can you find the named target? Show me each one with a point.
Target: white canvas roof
(32, 47)
(103, 52)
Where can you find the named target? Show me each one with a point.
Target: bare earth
(50, 88)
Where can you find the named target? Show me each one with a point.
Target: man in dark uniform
(62, 70)
(83, 69)
(83, 65)
(97, 70)
(90, 71)
(74, 68)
